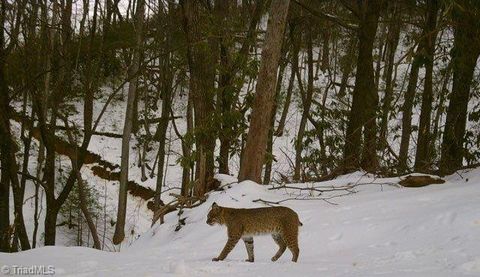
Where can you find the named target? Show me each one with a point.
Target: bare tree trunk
(8, 148)
(391, 47)
(307, 101)
(381, 52)
(225, 85)
(9, 164)
(84, 208)
(4, 180)
(325, 49)
(407, 110)
(187, 152)
(127, 129)
(254, 154)
(166, 86)
(269, 160)
(347, 66)
(202, 73)
(288, 98)
(440, 106)
(232, 73)
(90, 88)
(422, 156)
(62, 87)
(365, 98)
(464, 56)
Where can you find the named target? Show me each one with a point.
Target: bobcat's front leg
(249, 245)
(231, 242)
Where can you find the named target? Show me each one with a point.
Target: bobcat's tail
(300, 223)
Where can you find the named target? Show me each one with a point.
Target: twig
(318, 189)
(326, 199)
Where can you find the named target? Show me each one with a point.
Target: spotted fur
(281, 222)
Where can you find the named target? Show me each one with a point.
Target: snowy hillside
(374, 228)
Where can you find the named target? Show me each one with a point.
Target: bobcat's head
(215, 215)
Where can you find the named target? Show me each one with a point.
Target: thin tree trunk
(186, 152)
(391, 47)
(119, 235)
(381, 52)
(440, 106)
(347, 65)
(84, 208)
(325, 49)
(422, 156)
(288, 98)
(90, 88)
(166, 86)
(307, 101)
(407, 110)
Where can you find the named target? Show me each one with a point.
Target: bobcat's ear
(214, 205)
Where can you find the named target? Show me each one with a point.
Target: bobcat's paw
(274, 258)
(250, 261)
(215, 260)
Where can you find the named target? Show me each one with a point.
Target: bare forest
(116, 114)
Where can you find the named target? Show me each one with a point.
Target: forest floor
(373, 227)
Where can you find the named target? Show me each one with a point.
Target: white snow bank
(380, 230)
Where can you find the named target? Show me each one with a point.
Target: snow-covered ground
(382, 229)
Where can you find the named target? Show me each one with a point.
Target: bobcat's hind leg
(281, 243)
(249, 245)
(291, 239)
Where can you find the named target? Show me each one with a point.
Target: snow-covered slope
(382, 229)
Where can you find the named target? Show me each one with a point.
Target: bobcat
(281, 222)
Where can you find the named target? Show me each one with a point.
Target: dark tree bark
(90, 87)
(326, 34)
(166, 87)
(230, 72)
(224, 103)
(288, 97)
(365, 98)
(201, 65)
(442, 95)
(253, 156)
(423, 155)
(187, 151)
(464, 58)
(62, 78)
(307, 102)
(381, 54)
(407, 110)
(347, 66)
(391, 47)
(8, 148)
(4, 143)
